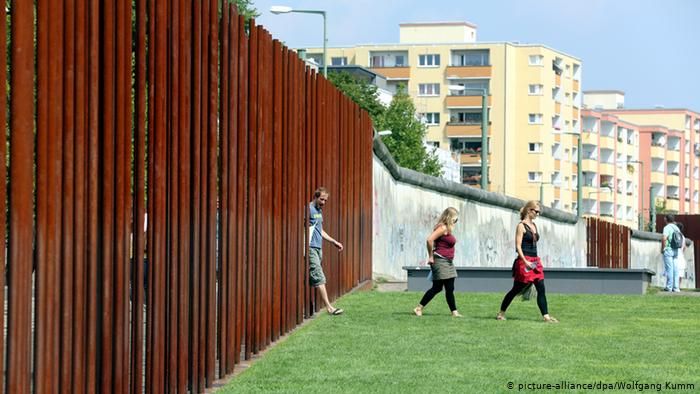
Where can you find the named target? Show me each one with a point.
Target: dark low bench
(558, 280)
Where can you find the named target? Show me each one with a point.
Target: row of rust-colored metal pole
(162, 156)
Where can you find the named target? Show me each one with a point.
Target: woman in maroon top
(441, 251)
(527, 268)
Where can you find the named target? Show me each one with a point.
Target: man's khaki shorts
(316, 276)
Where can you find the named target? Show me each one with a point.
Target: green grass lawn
(379, 346)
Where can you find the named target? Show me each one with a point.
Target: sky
(648, 49)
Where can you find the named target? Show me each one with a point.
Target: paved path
(391, 286)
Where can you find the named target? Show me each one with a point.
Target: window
(429, 60)
(465, 145)
(535, 89)
(534, 176)
(428, 89)
(470, 58)
(400, 61)
(536, 60)
(535, 118)
(534, 147)
(574, 154)
(574, 182)
(316, 58)
(339, 61)
(471, 175)
(471, 87)
(471, 118)
(431, 118)
(435, 144)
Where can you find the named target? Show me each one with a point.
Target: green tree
(359, 91)
(246, 8)
(406, 141)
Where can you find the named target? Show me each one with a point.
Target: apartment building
(610, 168)
(669, 148)
(533, 98)
(670, 145)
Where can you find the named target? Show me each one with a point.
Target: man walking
(671, 243)
(316, 235)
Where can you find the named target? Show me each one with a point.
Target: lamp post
(484, 131)
(608, 189)
(281, 9)
(640, 214)
(381, 133)
(579, 175)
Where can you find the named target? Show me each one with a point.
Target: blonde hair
(447, 218)
(532, 204)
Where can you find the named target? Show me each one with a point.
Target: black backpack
(676, 239)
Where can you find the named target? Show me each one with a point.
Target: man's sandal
(551, 319)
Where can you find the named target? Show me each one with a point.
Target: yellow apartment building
(534, 101)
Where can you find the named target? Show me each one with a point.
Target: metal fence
(608, 244)
(118, 109)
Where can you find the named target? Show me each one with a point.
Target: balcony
(557, 108)
(464, 101)
(672, 203)
(589, 165)
(607, 142)
(575, 85)
(393, 73)
(658, 177)
(607, 169)
(557, 80)
(455, 130)
(575, 113)
(470, 157)
(672, 180)
(456, 72)
(673, 155)
(589, 138)
(591, 191)
(658, 152)
(605, 196)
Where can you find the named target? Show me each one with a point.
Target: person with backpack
(671, 244)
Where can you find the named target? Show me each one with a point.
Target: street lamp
(579, 175)
(282, 9)
(640, 214)
(484, 131)
(381, 133)
(608, 189)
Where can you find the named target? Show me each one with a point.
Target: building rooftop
(417, 24)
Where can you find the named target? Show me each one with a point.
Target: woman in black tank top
(527, 267)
